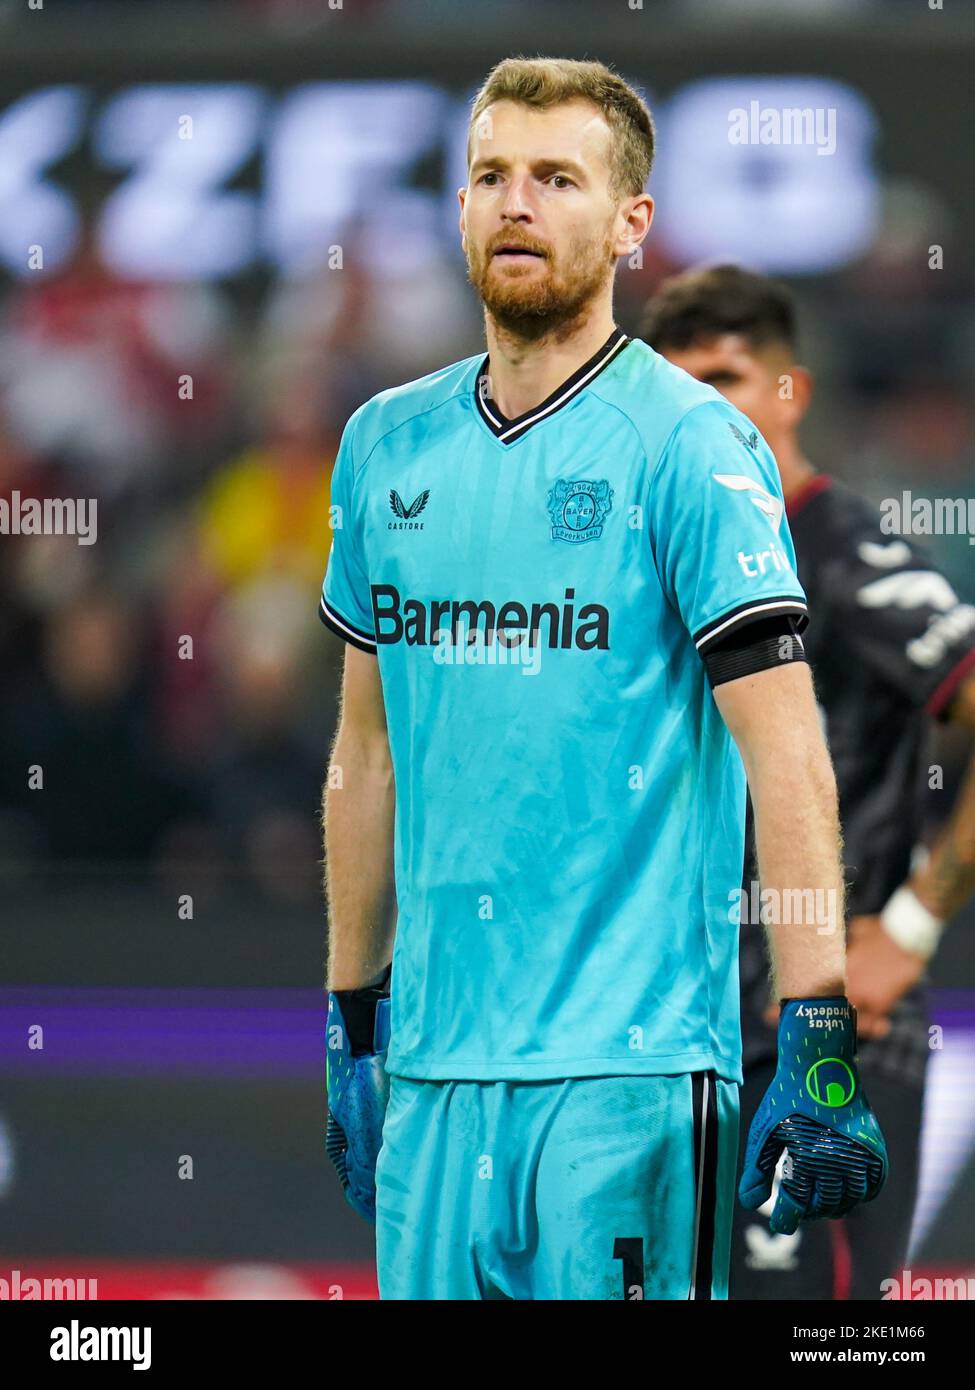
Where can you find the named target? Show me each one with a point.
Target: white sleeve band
(907, 921)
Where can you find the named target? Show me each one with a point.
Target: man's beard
(531, 306)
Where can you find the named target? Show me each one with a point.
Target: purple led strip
(225, 1032)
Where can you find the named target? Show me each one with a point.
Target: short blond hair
(546, 82)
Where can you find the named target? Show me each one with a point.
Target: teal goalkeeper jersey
(538, 593)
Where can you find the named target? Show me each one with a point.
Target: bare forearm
(773, 718)
(359, 805)
(798, 842)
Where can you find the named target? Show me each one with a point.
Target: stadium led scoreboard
(218, 180)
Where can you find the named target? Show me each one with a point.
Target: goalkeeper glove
(817, 1110)
(357, 1037)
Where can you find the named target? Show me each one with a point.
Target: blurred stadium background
(209, 311)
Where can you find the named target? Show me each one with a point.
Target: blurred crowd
(168, 693)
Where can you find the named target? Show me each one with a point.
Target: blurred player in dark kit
(891, 646)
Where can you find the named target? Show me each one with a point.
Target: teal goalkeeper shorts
(610, 1187)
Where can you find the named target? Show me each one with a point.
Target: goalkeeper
(562, 1048)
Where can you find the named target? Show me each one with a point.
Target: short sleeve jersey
(539, 594)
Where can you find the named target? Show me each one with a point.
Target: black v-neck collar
(507, 431)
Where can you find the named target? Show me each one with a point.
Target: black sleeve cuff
(359, 1012)
(757, 646)
(736, 619)
(355, 636)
